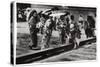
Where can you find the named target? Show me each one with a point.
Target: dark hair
(31, 14)
(80, 15)
(90, 18)
(72, 17)
(91, 21)
(40, 13)
(62, 17)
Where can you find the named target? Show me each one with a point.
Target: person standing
(33, 20)
(81, 22)
(73, 31)
(91, 22)
(67, 19)
(81, 19)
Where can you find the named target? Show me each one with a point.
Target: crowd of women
(65, 25)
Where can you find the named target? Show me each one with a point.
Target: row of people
(66, 25)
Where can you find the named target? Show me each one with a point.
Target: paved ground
(86, 52)
(22, 27)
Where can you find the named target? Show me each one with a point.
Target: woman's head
(72, 17)
(62, 17)
(80, 15)
(33, 13)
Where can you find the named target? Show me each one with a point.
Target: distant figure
(91, 27)
(73, 32)
(81, 22)
(54, 22)
(81, 19)
(67, 19)
(41, 24)
(33, 20)
(48, 27)
(87, 29)
(62, 29)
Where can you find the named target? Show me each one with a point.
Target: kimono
(33, 30)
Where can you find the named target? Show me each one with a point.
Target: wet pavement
(86, 52)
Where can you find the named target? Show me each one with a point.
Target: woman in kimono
(33, 20)
(73, 31)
